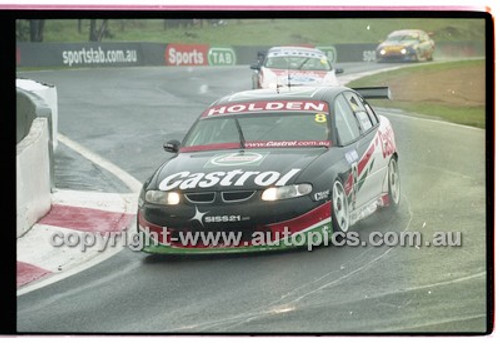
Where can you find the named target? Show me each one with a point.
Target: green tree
(98, 32)
(36, 30)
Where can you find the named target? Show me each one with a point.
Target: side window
(345, 123)
(373, 116)
(354, 101)
(364, 120)
(360, 112)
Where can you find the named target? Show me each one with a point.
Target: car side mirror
(172, 146)
(339, 71)
(255, 67)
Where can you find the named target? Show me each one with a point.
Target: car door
(423, 45)
(427, 43)
(371, 166)
(347, 134)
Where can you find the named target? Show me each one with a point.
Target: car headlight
(140, 199)
(284, 192)
(162, 197)
(403, 51)
(382, 51)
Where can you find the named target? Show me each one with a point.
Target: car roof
(285, 93)
(406, 31)
(280, 51)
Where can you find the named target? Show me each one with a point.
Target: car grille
(205, 197)
(236, 196)
(226, 196)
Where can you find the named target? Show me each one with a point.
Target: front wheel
(340, 212)
(394, 183)
(254, 83)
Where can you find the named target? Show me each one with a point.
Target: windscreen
(260, 131)
(403, 37)
(298, 63)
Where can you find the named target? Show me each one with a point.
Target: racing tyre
(394, 184)
(255, 82)
(340, 208)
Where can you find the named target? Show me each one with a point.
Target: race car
(406, 45)
(308, 159)
(293, 66)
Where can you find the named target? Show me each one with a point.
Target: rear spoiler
(374, 92)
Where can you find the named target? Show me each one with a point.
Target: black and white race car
(284, 66)
(291, 163)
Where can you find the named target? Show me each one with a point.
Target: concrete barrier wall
(29, 107)
(146, 54)
(33, 176)
(48, 94)
(26, 113)
(34, 155)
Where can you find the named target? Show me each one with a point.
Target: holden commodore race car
(293, 66)
(292, 163)
(406, 45)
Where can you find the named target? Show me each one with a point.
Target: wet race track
(125, 115)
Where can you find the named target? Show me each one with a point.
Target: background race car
(406, 45)
(293, 66)
(302, 161)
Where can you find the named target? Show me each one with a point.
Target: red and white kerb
(267, 106)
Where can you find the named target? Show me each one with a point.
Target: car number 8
(320, 118)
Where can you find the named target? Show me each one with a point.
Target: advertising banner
(100, 54)
(186, 54)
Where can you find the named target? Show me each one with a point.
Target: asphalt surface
(125, 115)
(72, 171)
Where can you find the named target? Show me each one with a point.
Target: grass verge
(450, 91)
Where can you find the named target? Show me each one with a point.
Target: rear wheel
(394, 183)
(340, 212)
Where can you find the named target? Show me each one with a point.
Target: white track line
(445, 123)
(127, 179)
(111, 202)
(348, 78)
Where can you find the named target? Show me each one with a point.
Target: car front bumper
(282, 225)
